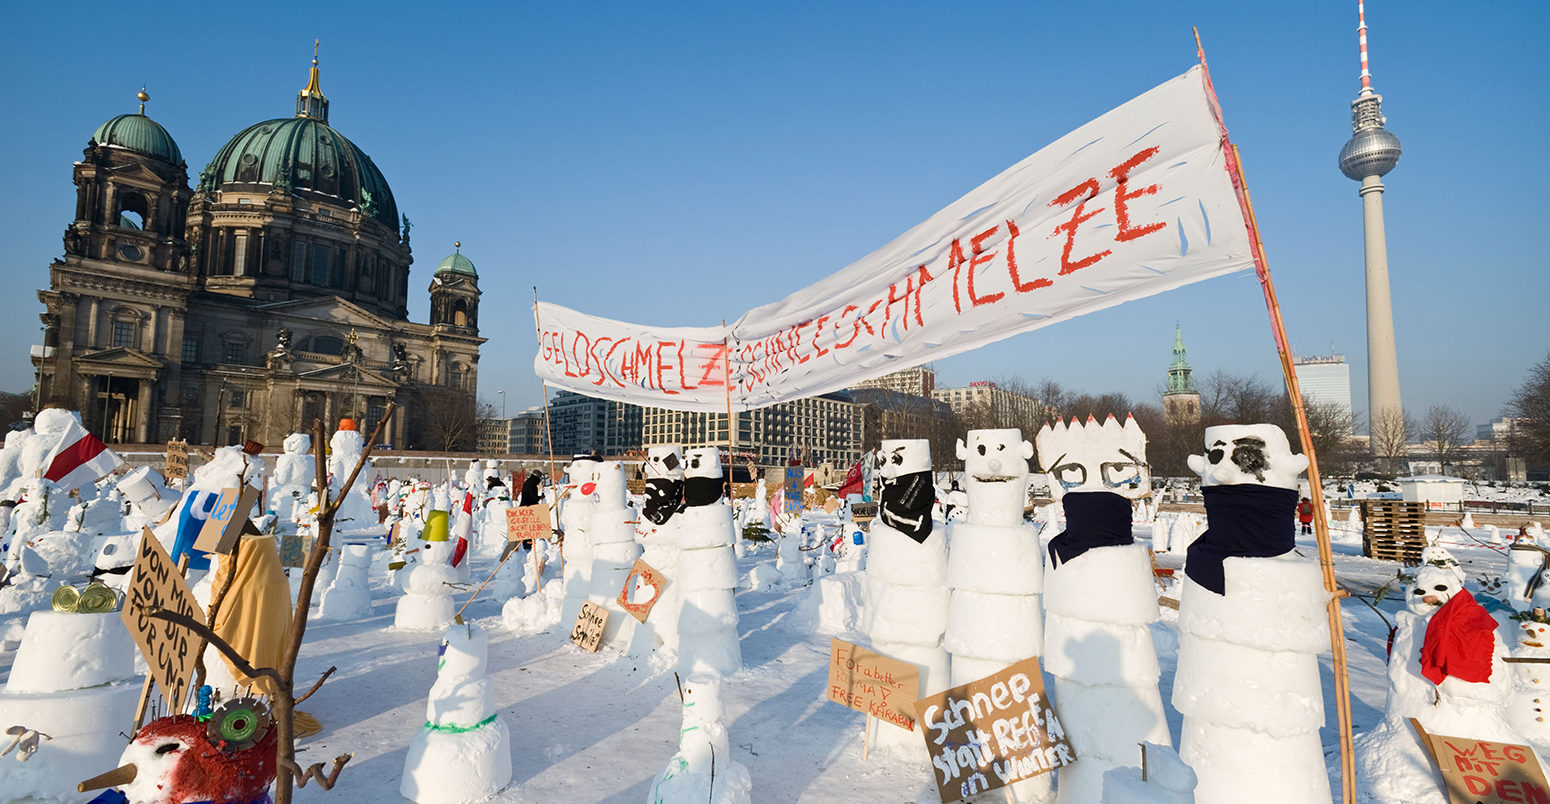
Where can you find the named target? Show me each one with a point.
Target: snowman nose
(1432, 600)
(995, 465)
(113, 778)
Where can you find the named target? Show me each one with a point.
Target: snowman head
(664, 461)
(702, 462)
(1535, 634)
(298, 444)
(1095, 457)
(53, 420)
(346, 442)
(1433, 587)
(702, 698)
(582, 470)
(1248, 454)
(14, 439)
(903, 456)
(610, 488)
(227, 469)
(995, 456)
(464, 651)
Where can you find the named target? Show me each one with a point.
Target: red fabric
(852, 484)
(1460, 640)
(1305, 512)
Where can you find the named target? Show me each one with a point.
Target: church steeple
(1181, 402)
(311, 102)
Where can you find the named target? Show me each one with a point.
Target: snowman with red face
(228, 757)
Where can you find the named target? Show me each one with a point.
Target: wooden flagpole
(726, 380)
(1316, 493)
(554, 480)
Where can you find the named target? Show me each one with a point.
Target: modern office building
(1325, 379)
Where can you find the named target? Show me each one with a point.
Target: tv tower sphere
(1369, 152)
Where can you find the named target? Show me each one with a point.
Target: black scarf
(702, 490)
(664, 496)
(907, 501)
(1246, 520)
(1093, 519)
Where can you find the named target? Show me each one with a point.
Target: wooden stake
(866, 736)
(1316, 493)
(554, 479)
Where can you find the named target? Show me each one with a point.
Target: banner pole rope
(554, 480)
(1315, 488)
(726, 380)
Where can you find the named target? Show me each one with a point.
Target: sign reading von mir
(588, 632)
(1483, 772)
(525, 523)
(992, 732)
(169, 649)
(176, 460)
(873, 684)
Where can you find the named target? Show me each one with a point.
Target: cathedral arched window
(460, 314)
(133, 211)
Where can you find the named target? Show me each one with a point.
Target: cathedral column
(110, 206)
(143, 413)
(91, 323)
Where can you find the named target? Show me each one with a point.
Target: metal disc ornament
(238, 724)
(97, 598)
(66, 598)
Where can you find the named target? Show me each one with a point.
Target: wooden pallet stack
(1394, 530)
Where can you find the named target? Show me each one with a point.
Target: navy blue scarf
(1093, 519)
(1245, 520)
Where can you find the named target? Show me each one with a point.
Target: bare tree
(444, 419)
(1390, 433)
(1330, 427)
(1443, 430)
(1531, 404)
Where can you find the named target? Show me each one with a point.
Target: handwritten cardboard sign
(873, 684)
(528, 522)
(1483, 772)
(992, 732)
(642, 589)
(794, 478)
(588, 632)
(176, 466)
(169, 649)
(227, 520)
(863, 512)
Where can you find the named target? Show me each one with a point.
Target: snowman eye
(167, 748)
(1419, 591)
(1440, 588)
(982, 449)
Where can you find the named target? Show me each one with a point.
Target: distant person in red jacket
(1305, 515)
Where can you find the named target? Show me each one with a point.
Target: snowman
(355, 513)
(1100, 602)
(1527, 708)
(1525, 561)
(658, 532)
(463, 752)
(348, 597)
(707, 571)
(1252, 622)
(906, 576)
(294, 473)
(229, 756)
(575, 515)
(614, 548)
(703, 769)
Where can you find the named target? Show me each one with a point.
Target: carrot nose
(120, 775)
(1431, 600)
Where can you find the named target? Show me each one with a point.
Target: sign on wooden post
(794, 478)
(992, 732)
(873, 684)
(176, 466)
(227, 520)
(169, 650)
(528, 522)
(863, 512)
(588, 632)
(642, 589)
(1483, 772)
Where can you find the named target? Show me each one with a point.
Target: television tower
(1370, 154)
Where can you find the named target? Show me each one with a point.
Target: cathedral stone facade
(272, 293)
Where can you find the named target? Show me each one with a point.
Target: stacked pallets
(1394, 530)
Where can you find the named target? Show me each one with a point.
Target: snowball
(69, 651)
(707, 569)
(1274, 692)
(1118, 576)
(911, 614)
(992, 558)
(1274, 604)
(1230, 761)
(898, 559)
(1099, 653)
(1006, 627)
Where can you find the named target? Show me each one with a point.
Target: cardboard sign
(1483, 772)
(227, 520)
(588, 632)
(863, 512)
(295, 548)
(794, 478)
(992, 732)
(873, 684)
(528, 522)
(169, 649)
(176, 466)
(642, 589)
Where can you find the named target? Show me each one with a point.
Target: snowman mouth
(994, 478)
(1529, 643)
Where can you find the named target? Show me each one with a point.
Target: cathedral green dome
(140, 134)
(307, 157)
(457, 264)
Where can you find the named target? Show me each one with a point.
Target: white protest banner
(1134, 203)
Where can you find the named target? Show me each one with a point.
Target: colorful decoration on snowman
(1252, 622)
(225, 757)
(1100, 602)
(906, 576)
(463, 752)
(707, 571)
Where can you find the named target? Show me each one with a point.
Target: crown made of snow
(1088, 456)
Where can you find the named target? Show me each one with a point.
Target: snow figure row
(463, 752)
(295, 472)
(708, 640)
(1252, 621)
(703, 769)
(907, 595)
(1098, 645)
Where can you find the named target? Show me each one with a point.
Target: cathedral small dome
(304, 156)
(457, 264)
(140, 134)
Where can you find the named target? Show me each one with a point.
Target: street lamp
(503, 403)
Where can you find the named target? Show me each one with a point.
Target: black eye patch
(982, 449)
(167, 748)
(1249, 455)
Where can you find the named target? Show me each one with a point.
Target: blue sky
(677, 164)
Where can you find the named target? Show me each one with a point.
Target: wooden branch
(205, 632)
(319, 683)
(315, 771)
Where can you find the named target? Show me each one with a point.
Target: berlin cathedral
(271, 293)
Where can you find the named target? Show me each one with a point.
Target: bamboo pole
(554, 480)
(1316, 494)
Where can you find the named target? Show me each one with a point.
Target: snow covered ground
(599, 727)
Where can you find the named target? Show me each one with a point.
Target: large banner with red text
(1135, 203)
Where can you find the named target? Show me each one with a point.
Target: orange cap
(347, 424)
